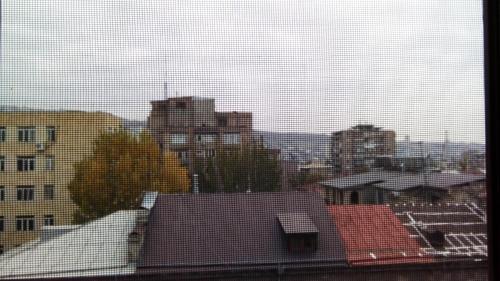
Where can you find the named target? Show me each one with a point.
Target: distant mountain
(308, 146)
(298, 146)
(435, 149)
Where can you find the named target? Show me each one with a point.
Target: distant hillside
(298, 146)
(306, 146)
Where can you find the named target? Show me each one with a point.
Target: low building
(38, 150)
(317, 168)
(390, 187)
(96, 249)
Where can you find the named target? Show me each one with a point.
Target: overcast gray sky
(414, 66)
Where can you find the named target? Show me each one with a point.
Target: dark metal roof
(233, 229)
(443, 180)
(404, 182)
(431, 180)
(359, 180)
(396, 181)
(296, 223)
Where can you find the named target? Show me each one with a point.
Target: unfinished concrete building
(192, 128)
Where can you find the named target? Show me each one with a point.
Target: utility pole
(424, 156)
(445, 152)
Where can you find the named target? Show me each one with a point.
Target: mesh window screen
(242, 140)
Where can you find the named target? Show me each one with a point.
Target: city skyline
(307, 66)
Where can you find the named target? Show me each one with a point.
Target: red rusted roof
(373, 235)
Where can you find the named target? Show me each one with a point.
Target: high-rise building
(356, 149)
(38, 150)
(192, 128)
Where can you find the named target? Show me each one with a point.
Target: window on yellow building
(51, 134)
(26, 134)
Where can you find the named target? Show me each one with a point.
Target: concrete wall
(204, 113)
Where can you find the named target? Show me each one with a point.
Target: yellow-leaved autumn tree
(121, 167)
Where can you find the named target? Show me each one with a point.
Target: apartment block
(356, 149)
(192, 128)
(38, 150)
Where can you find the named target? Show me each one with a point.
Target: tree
(120, 169)
(303, 178)
(252, 168)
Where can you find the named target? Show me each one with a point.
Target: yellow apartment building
(38, 150)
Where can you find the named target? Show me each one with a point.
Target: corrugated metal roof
(395, 181)
(296, 223)
(403, 182)
(432, 180)
(372, 234)
(359, 180)
(232, 229)
(444, 180)
(94, 249)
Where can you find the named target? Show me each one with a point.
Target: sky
(413, 66)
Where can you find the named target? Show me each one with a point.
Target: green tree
(304, 178)
(120, 169)
(252, 168)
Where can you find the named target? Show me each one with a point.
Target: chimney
(196, 188)
(136, 237)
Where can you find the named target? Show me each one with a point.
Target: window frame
(48, 220)
(48, 192)
(25, 193)
(27, 163)
(491, 27)
(51, 134)
(26, 134)
(178, 139)
(2, 163)
(50, 163)
(3, 134)
(231, 138)
(25, 223)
